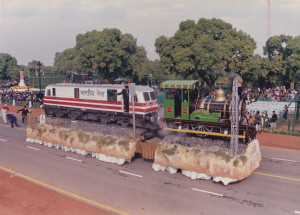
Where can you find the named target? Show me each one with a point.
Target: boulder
(119, 147)
(218, 164)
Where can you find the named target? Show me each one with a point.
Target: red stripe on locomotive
(99, 106)
(83, 105)
(82, 100)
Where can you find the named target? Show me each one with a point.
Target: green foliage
(71, 140)
(63, 134)
(169, 151)
(52, 130)
(80, 136)
(236, 162)
(66, 60)
(207, 50)
(40, 132)
(95, 138)
(111, 55)
(243, 158)
(196, 151)
(282, 63)
(106, 140)
(223, 155)
(8, 67)
(87, 138)
(124, 143)
(83, 137)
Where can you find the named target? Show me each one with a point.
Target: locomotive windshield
(152, 95)
(146, 96)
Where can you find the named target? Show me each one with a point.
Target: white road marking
(204, 191)
(32, 148)
(284, 160)
(3, 140)
(130, 173)
(74, 159)
(297, 212)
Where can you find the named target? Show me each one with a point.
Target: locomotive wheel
(73, 115)
(202, 128)
(60, 113)
(172, 125)
(104, 119)
(124, 122)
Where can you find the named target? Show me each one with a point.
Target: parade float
(203, 139)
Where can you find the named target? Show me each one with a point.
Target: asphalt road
(136, 188)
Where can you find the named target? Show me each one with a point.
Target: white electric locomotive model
(100, 102)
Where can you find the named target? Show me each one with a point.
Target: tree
(272, 72)
(8, 67)
(66, 60)
(206, 50)
(283, 53)
(112, 54)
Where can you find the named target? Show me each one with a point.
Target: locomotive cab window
(53, 92)
(170, 94)
(152, 96)
(146, 96)
(111, 95)
(76, 93)
(48, 92)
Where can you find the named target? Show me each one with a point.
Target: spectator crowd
(24, 98)
(278, 94)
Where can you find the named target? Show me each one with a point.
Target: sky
(36, 29)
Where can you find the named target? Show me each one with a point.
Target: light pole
(39, 74)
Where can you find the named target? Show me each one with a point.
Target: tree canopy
(66, 60)
(111, 54)
(8, 67)
(208, 49)
(282, 64)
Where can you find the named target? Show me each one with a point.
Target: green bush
(169, 151)
(243, 158)
(124, 143)
(236, 162)
(223, 155)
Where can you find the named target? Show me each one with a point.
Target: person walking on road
(4, 113)
(25, 111)
(13, 120)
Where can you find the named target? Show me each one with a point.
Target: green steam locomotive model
(186, 111)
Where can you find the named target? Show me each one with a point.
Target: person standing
(13, 120)
(273, 120)
(257, 121)
(285, 112)
(4, 113)
(25, 111)
(125, 93)
(5, 106)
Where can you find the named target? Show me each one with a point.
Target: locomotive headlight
(152, 119)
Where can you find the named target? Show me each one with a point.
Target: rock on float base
(199, 164)
(104, 147)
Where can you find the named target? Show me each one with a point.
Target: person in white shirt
(3, 113)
